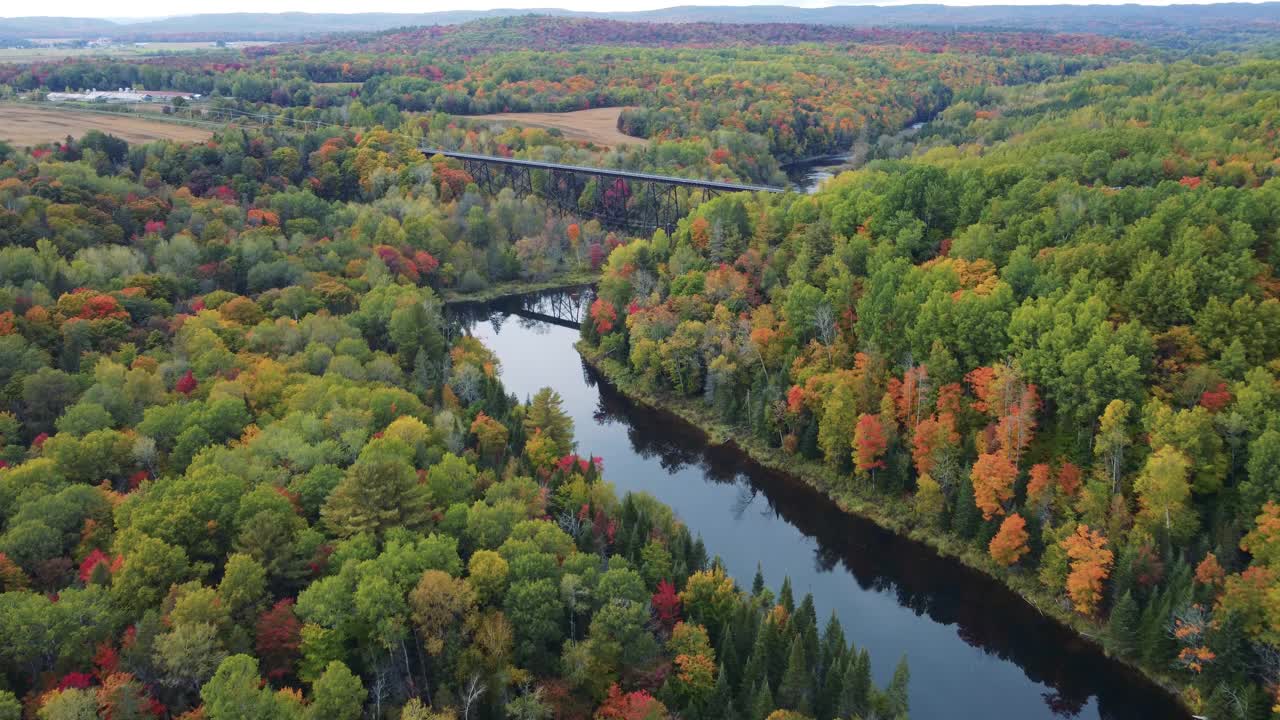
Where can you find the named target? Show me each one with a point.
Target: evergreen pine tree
(796, 690)
(720, 704)
(833, 645)
(1125, 626)
(806, 614)
(776, 645)
(757, 585)
(967, 516)
(831, 663)
(1122, 574)
(424, 374)
(856, 693)
(807, 628)
(809, 441)
(730, 666)
(785, 598)
(1158, 648)
(755, 672)
(697, 558)
(746, 625)
(680, 572)
(827, 702)
(895, 695)
(762, 703)
(634, 541)
(1230, 647)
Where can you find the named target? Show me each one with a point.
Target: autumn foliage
(1091, 563)
(869, 444)
(992, 476)
(1010, 543)
(637, 705)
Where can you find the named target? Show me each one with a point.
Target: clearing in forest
(24, 125)
(597, 125)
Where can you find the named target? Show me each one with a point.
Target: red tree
(603, 315)
(666, 604)
(186, 384)
(638, 705)
(869, 444)
(279, 635)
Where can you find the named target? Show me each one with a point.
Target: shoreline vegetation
(499, 291)
(886, 512)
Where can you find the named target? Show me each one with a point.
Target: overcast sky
(119, 9)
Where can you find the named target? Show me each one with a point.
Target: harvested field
(598, 125)
(24, 125)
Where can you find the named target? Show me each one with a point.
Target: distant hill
(1124, 20)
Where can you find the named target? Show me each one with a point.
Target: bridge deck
(608, 172)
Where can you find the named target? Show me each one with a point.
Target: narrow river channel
(976, 650)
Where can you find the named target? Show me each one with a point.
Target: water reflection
(807, 177)
(975, 649)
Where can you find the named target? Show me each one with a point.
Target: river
(807, 176)
(976, 649)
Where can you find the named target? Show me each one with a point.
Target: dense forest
(1044, 328)
(722, 102)
(248, 470)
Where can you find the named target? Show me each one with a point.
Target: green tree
(10, 708)
(374, 497)
(762, 702)
(534, 609)
(1123, 627)
(796, 690)
(235, 692)
(545, 413)
(337, 694)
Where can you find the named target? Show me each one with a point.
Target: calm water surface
(975, 649)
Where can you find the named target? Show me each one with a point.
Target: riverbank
(891, 514)
(566, 281)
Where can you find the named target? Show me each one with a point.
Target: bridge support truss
(637, 202)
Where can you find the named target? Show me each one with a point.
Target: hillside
(1122, 20)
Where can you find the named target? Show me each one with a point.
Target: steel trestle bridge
(621, 198)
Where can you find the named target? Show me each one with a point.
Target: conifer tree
(762, 703)
(831, 663)
(721, 704)
(833, 645)
(728, 653)
(1157, 647)
(966, 517)
(796, 690)
(856, 693)
(755, 672)
(1124, 627)
(785, 597)
(776, 646)
(895, 697)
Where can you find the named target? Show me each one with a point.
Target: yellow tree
(1163, 491)
(1112, 439)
